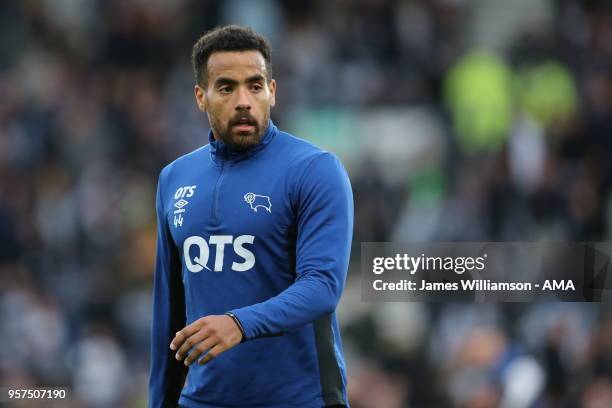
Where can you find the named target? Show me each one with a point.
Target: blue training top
(265, 234)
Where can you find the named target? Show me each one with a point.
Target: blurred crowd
(473, 120)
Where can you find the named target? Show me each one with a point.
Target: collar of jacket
(219, 151)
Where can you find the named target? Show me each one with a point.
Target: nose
(244, 101)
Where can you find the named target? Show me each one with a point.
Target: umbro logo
(181, 203)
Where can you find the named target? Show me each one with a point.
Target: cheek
(264, 103)
(219, 112)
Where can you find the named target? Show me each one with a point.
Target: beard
(232, 137)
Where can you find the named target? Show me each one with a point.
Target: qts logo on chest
(202, 252)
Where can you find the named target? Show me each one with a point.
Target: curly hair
(228, 38)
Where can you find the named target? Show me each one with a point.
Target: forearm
(303, 302)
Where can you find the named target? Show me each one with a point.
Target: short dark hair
(228, 38)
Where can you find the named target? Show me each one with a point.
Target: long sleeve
(324, 235)
(167, 375)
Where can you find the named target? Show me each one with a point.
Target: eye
(256, 87)
(225, 89)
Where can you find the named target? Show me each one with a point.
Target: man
(254, 234)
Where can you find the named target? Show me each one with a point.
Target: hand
(213, 333)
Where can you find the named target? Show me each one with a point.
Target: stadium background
(457, 120)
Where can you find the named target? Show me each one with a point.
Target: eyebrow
(255, 78)
(229, 81)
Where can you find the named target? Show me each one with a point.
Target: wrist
(237, 321)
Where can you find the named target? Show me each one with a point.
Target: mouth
(245, 125)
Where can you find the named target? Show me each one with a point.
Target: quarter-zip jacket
(265, 234)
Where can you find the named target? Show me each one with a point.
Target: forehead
(235, 64)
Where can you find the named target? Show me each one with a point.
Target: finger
(199, 349)
(184, 334)
(212, 353)
(189, 343)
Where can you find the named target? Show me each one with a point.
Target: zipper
(215, 206)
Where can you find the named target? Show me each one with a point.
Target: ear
(272, 87)
(200, 96)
